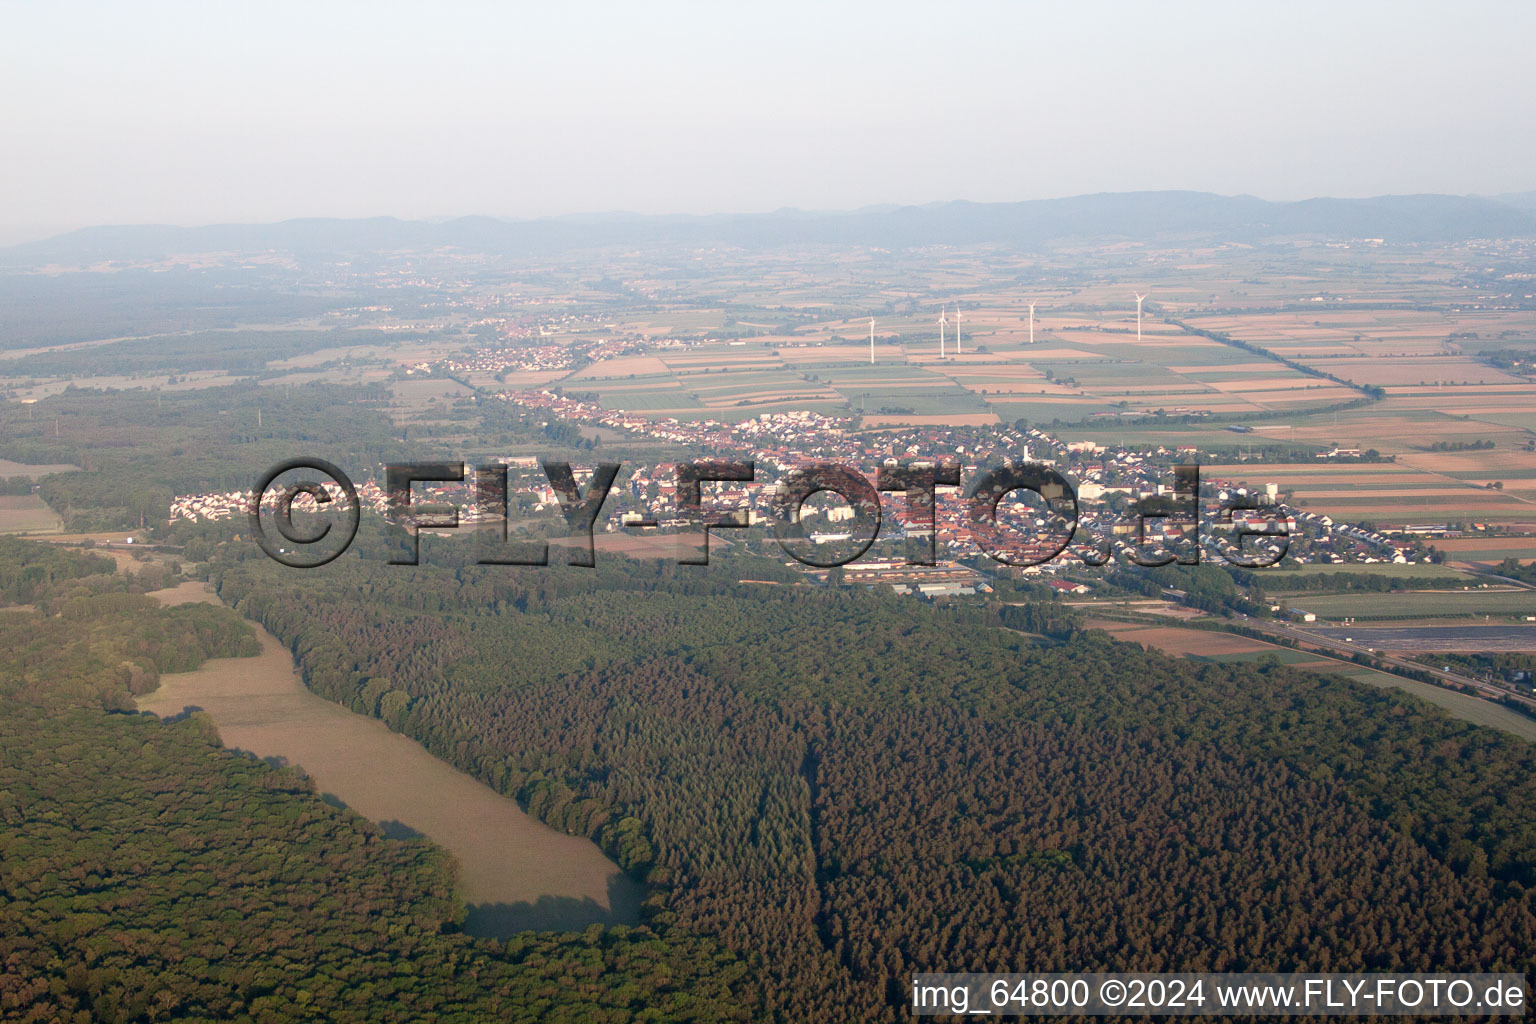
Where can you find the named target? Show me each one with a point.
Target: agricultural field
(1193, 643)
(10, 469)
(1421, 604)
(1075, 370)
(26, 513)
(1428, 341)
(1305, 347)
(1288, 581)
(516, 872)
(1275, 578)
(1459, 705)
(1415, 488)
(1488, 549)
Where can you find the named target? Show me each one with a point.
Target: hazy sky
(204, 112)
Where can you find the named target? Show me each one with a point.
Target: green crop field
(26, 513)
(1274, 580)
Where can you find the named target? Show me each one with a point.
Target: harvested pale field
(1257, 368)
(1260, 384)
(1302, 471)
(509, 862)
(1034, 386)
(875, 378)
(700, 320)
(123, 558)
(27, 513)
(1302, 389)
(1044, 352)
(734, 357)
(1130, 387)
(993, 370)
(190, 592)
(1142, 606)
(531, 378)
(1514, 393)
(1518, 546)
(1490, 461)
(622, 366)
(758, 400)
(857, 352)
(1045, 387)
(1172, 611)
(1124, 333)
(967, 358)
(624, 385)
(417, 394)
(35, 472)
(1389, 372)
(1362, 492)
(1351, 507)
(1109, 625)
(1204, 643)
(635, 543)
(975, 419)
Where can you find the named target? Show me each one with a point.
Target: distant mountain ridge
(1523, 200)
(1198, 216)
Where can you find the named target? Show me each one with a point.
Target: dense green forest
(148, 874)
(138, 449)
(30, 571)
(232, 351)
(845, 787)
(825, 789)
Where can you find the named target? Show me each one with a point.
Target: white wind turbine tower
(1138, 314)
(957, 328)
(943, 322)
(871, 341)
(1031, 323)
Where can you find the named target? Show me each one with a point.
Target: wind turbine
(943, 322)
(1031, 323)
(1138, 313)
(871, 341)
(957, 328)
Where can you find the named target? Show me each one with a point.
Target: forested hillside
(846, 788)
